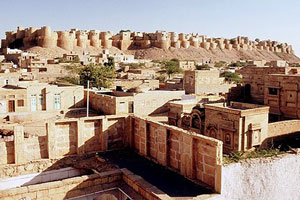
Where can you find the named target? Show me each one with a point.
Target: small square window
(273, 91)
(20, 103)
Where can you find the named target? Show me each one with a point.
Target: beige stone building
(205, 82)
(281, 93)
(144, 103)
(175, 83)
(240, 126)
(187, 64)
(9, 79)
(137, 74)
(254, 80)
(13, 99)
(128, 84)
(34, 96)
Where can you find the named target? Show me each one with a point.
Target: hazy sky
(264, 19)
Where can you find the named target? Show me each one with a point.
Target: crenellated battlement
(124, 40)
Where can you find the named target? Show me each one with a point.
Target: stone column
(80, 137)
(19, 144)
(186, 149)
(162, 146)
(51, 140)
(143, 137)
(104, 134)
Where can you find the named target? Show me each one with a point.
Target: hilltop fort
(141, 44)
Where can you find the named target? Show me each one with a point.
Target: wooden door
(11, 106)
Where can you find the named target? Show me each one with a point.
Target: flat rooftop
(238, 108)
(185, 102)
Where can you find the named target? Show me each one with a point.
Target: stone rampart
(44, 37)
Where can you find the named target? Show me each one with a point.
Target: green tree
(64, 60)
(98, 75)
(220, 64)
(238, 64)
(203, 67)
(171, 66)
(110, 62)
(232, 77)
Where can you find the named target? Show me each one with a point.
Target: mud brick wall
(194, 156)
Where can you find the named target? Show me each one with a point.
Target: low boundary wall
(194, 156)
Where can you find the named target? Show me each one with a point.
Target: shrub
(232, 77)
(220, 64)
(203, 67)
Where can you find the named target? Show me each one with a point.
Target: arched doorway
(196, 121)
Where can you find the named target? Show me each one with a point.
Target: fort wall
(44, 37)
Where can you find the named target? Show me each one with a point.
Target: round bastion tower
(64, 40)
(47, 39)
(94, 37)
(82, 39)
(30, 37)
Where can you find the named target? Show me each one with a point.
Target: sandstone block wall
(283, 127)
(64, 138)
(35, 148)
(85, 135)
(7, 152)
(285, 101)
(109, 104)
(66, 188)
(194, 156)
(104, 103)
(44, 37)
(255, 78)
(85, 185)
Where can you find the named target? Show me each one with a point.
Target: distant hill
(201, 54)
(190, 53)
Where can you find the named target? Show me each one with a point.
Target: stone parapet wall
(66, 188)
(85, 185)
(194, 156)
(102, 103)
(283, 127)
